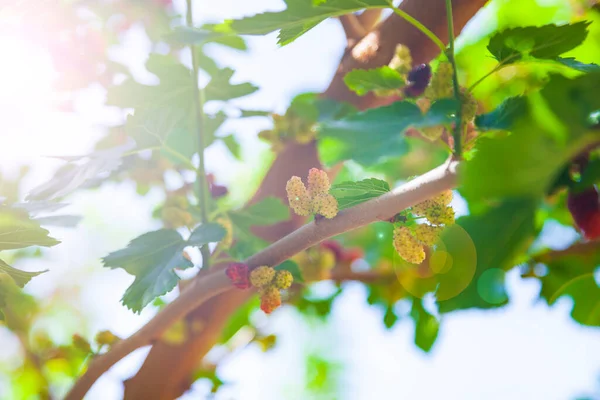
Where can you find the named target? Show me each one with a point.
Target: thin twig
(215, 282)
(200, 118)
(457, 134)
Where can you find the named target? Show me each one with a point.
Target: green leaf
(363, 81)
(527, 162)
(254, 113)
(504, 116)
(349, 194)
(18, 230)
(220, 88)
(233, 146)
(427, 326)
(20, 277)
(590, 176)
(152, 258)
(579, 66)
(572, 274)
(206, 233)
(293, 268)
(499, 235)
(389, 318)
(545, 42)
(269, 211)
(188, 36)
(299, 17)
(374, 135)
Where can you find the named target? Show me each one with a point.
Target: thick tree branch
(210, 285)
(352, 28)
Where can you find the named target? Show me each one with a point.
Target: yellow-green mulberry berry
(440, 215)
(407, 246)
(298, 196)
(318, 182)
(262, 276)
(469, 105)
(283, 279)
(441, 85)
(402, 60)
(427, 234)
(325, 204)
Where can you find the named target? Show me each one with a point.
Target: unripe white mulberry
(262, 276)
(325, 204)
(283, 279)
(441, 85)
(407, 246)
(427, 234)
(318, 182)
(298, 196)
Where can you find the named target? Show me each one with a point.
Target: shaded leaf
(269, 211)
(20, 277)
(545, 42)
(504, 116)
(499, 235)
(206, 233)
(65, 221)
(299, 17)
(18, 230)
(383, 78)
(152, 258)
(349, 194)
(579, 66)
(376, 134)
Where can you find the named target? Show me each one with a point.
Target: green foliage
(426, 326)
(499, 235)
(20, 277)
(563, 102)
(374, 135)
(349, 194)
(363, 81)
(545, 42)
(504, 116)
(579, 66)
(153, 258)
(572, 274)
(299, 17)
(18, 230)
(221, 88)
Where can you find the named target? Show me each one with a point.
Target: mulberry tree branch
(210, 285)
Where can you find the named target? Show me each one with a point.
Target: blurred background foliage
(95, 50)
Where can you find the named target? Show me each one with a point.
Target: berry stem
(419, 26)
(200, 117)
(457, 134)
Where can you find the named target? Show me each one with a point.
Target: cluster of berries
(410, 238)
(288, 127)
(266, 279)
(314, 200)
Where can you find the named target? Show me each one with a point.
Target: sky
(526, 350)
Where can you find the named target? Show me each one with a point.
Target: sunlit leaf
(299, 17)
(18, 230)
(572, 274)
(546, 42)
(383, 78)
(427, 326)
(349, 194)
(220, 87)
(20, 277)
(499, 235)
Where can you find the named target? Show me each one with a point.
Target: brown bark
(167, 371)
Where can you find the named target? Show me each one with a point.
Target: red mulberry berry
(238, 274)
